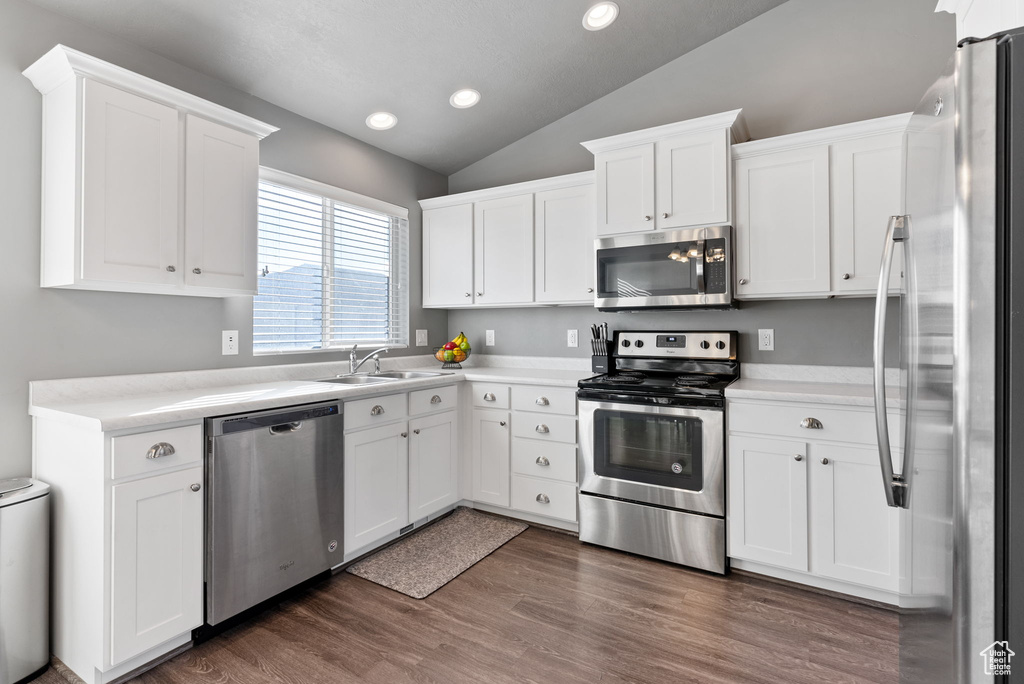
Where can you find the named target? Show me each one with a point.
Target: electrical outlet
(228, 342)
(421, 338)
(573, 338)
(489, 338)
(766, 339)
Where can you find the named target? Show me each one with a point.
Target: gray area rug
(432, 557)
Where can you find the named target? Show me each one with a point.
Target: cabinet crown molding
(540, 185)
(62, 63)
(896, 123)
(733, 120)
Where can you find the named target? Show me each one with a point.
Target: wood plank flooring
(545, 608)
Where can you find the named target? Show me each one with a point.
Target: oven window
(653, 449)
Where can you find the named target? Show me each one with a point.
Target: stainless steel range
(652, 433)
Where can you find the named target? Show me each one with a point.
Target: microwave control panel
(716, 271)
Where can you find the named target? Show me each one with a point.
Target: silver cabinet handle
(824, 461)
(160, 449)
(488, 397)
(376, 410)
(743, 281)
(895, 485)
(479, 294)
(811, 424)
(542, 429)
(435, 399)
(846, 276)
(543, 461)
(171, 269)
(647, 218)
(468, 294)
(501, 423)
(543, 498)
(798, 457)
(196, 487)
(405, 434)
(664, 215)
(416, 431)
(542, 401)
(197, 270)
(590, 290)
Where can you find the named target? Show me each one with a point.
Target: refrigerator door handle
(895, 487)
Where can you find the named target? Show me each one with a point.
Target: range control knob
(639, 343)
(719, 344)
(625, 343)
(704, 344)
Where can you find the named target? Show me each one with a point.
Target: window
(333, 268)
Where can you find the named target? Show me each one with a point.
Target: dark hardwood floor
(545, 608)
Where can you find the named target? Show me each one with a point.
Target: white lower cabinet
(376, 484)
(433, 464)
(491, 456)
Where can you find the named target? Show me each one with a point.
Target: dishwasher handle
(285, 428)
(280, 422)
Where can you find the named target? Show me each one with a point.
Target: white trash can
(24, 579)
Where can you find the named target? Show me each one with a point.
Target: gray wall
(50, 333)
(803, 65)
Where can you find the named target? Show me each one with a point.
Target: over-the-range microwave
(676, 269)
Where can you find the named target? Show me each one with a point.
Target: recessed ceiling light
(381, 121)
(600, 16)
(465, 98)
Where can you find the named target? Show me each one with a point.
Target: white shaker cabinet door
(491, 457)
(782, 224)
(130, 163)
(376, 484)
(768, 501)
(564, 223)
(867, 188)
(448, 256)
(692, 175)
(433, 464)
(156, 581)
(855, 536)
(503, 251)
(625, 189)
(221, 180)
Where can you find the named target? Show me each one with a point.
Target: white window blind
(331, 274)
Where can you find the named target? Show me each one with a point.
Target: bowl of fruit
(453, 353)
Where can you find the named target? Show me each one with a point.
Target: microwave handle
(700, 266)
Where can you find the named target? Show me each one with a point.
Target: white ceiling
(337, 61)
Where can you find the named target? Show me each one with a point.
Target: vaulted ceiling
(337, 61)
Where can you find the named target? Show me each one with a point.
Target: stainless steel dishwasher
(274, 509)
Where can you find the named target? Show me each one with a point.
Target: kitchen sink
(358, 380)
(405, 375)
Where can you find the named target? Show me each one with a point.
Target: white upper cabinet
(625, 189)
(448, 256)
(503, 250)
(782, 223)
(564, 237)
(671, 176)
(981, 18)
(221, 179)
(121, 219)
(693, 180)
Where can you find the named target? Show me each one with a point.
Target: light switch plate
(421, 338)
(766, 339)
(489, 338)
(228, 342)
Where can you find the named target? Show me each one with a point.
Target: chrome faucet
(353, 366)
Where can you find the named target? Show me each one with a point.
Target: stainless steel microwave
(672, 269)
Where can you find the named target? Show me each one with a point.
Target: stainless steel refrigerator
(955, 471)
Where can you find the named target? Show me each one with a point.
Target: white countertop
(847, 394)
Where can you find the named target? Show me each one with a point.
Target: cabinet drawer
(429, 400)
(544, 497)
(549, 460)
(129, 453)
(544, 399)
(364, 412)
(547, 428)
(855, 425)
(486, 395)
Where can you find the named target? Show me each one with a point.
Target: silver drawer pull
(488, 397)
(376, 410)
(405, 434)
(543, 461)
(435, 399)
(502, 423)
(160, 449)
(416, 431)
(171, 269)
(196, 487)
(542, 401)
(197, 270)
(542, 429)
(798, 457)
(811, 424)
(543, 498)
(824, 461)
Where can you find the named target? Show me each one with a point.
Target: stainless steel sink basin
(405, 375)
(358, 380)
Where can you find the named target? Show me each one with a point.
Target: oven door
(667, 269)
(661, 455)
